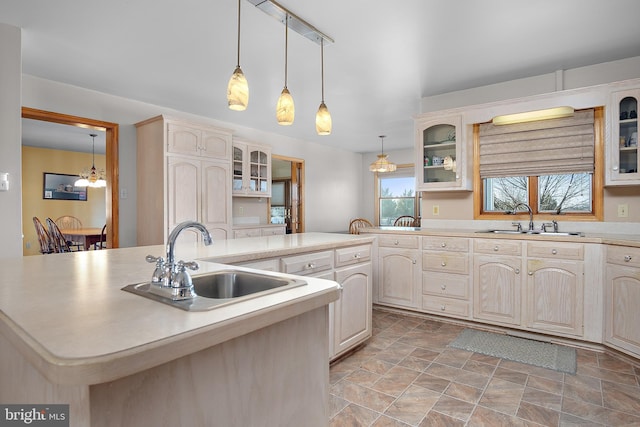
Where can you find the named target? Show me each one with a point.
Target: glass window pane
(392, 208)
(565, 193)
(398, 186)
(503, 194)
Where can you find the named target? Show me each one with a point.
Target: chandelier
(382, 164)
(92, 177)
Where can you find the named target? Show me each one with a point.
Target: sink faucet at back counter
(515, 208)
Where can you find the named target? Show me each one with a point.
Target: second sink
(535, 232)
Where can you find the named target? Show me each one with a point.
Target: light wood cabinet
(399, 269)
(554, 297)
(622, 299)
(258, 231)
(183, 173)
(441, 154)
(622, 155)
(445, 276)
(497, 281)
(251, 169)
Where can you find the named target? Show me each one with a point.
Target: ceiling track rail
(297, 24)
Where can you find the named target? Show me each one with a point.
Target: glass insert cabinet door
(258, 166)
(238, 173)
(626, 124)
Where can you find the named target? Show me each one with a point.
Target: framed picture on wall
(58, 186)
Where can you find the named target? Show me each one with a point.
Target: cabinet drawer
(272, 264)
(555, 250)
(273, 231)
(623, 256)
(391, 241)
(494, 246)
(451, 244)
(307, 263)
(446, 262)
(445, 306)
(246, 232)
(445, 285)
(352, 255)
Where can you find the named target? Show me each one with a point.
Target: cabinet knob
(444, 264)
(531, 273)
(517, 271)
(311, 265)
(627, 258)
(444, 245)
(443, 308)
(414, 261)
(396, 242)
(357, 255)
(553, 251)
(495, 248)
(615, 168)
(443, 287)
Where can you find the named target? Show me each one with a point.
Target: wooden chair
(405, 221)
(59, 242)
(46, 246)
(71, 223)
(102, 244)
(356, 224)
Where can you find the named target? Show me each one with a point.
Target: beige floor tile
(413, 405)
(538, 414)
(436, 419)
(354, 416)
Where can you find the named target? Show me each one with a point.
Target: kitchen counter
(632, 240)
(68, 317)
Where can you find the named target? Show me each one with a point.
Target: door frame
(297, 170)
(112, 200)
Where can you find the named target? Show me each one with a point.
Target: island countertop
(67, 314)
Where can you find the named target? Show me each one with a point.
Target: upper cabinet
(441, 162)
(197, 141)
(251, 169)
(622, 162)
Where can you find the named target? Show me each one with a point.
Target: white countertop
(68, 315)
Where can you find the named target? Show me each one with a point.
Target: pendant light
(382, 164)
(238, 87)
(323, 118)
(92, 177)
(285, 110)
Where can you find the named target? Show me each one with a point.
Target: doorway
(287, 202)
(111, 139)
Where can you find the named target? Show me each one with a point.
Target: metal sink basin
(221, 288)
(534, 232)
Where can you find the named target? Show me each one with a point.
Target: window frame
(597, 185)
(417, 194)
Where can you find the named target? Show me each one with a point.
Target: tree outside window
(397, 197)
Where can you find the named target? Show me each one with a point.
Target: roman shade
(545, 147)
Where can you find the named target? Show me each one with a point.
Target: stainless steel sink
(221, 288)
(534, 232)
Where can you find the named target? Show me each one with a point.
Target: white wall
(10, 145)
(329, 202)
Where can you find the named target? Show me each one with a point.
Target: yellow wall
(36, 161)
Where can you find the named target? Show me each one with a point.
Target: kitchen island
(70, 335)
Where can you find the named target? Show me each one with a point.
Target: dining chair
(102, 243)
(405, 221)
(59, 242)
(356, 224)
(70, 222)
(46, 246)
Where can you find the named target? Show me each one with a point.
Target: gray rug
(537, 353)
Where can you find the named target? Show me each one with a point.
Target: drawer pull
(443, 308)
(444, 264)
(627, 258)
(553, 251)
(356, 255)
(310, 265)
(495, 248)
(443, 287)
(517, 271)
(444, 245)
(396, 242)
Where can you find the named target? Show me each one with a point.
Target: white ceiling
(387, 54)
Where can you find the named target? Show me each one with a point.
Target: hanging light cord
(286, 44)
(382, 143)
(93, 149)
(239, 33)
(322, 65)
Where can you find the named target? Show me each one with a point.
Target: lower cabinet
(622, 299)
(399, 270)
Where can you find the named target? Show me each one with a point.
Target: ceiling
(386, 56)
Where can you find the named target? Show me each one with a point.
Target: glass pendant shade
(323, 120)
(285, 110)
(382, 164)
(92, 177)
(238, 91)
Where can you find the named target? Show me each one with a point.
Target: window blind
(545, 147)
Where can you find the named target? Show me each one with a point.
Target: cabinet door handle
(531, 273)
(414, 261)
(496, 249)
(517, 271)
(444, 245)
(443, 287)
(396, 242)
(443, 308)
(553, 251)
(627, 258)
(615, 168)
(444, 264)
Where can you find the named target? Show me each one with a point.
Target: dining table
(87, 236)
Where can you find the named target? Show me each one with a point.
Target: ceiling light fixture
(285, 110)
(92, 177)
(532, 116)
(238, 87)
(323, 117)
(382, 164)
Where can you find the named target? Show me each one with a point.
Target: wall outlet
(241, 210)
(436, 210)
(623, 210)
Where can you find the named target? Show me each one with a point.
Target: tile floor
(406, 375)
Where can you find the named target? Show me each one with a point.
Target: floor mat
(537, 353)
